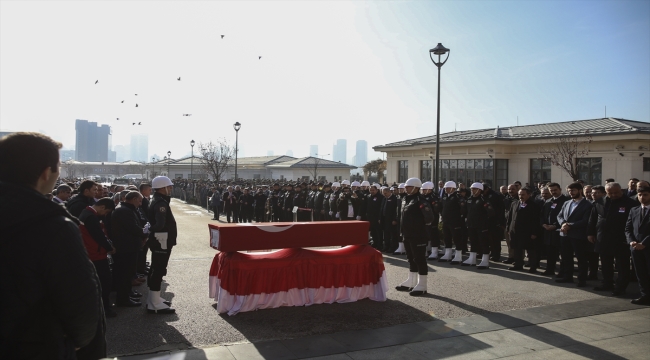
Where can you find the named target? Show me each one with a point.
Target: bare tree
(70, 168)
(84, 170)
(314, 166)
(216, 157)
(375, 167)
(564, 151)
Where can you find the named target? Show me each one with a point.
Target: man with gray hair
(606, 230)
(63, 193)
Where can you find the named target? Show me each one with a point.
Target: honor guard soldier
(496, 220)
(162, 238)
(288, 204)
(434, 234)
(325, 207)
(318, 202)
(399, 193)
(373, 202)
(311, 200)
(479, 213)
(389, 219)
(333, 201)
(416, 215)
(453, 218)
(276, 205)
(300, 200)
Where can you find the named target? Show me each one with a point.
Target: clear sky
(329, 70)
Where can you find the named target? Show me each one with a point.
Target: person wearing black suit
(637, 231)
(373, 214)
(524, 229)
(389, 219)
(631, 189)
(229, 203)
(573, 219)
(548, 219)
(607, 230)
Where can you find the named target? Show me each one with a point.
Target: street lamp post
(438, 50)
(153, 166)
(169, 158)
(236, 126)
(192, 161)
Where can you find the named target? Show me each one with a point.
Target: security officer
(416, 215)
(325, 207)
(333, 201)
(287, 205)
(246, 210)
(162, 238)
(373, 215)
(496, 221)
(260, 199)
(399, 192)
(300, 200)
(389, 219)
(478, 215)
(434, 234)
(453, 211)
(276, 205)
(318, 202)
(311, 200)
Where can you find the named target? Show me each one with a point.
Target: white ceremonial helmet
(476, 185)
(355, 183)
(365, 183)
(413, 182)
(336, 184)
(450, 184)
(376, 186)
(427, 186)
(382, 188)
(160, 182)
(345, 182)
(401, 186)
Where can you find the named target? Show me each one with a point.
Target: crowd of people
(591, 224)
(66, 245)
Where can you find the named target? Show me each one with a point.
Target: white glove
(331, 213)
(337, 215)
(358, 217)
(145, 230)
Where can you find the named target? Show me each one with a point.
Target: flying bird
(140, 123)
(179, 78)
(260, 58)
(136, 94)
(222, 36)
(136, 105)
(122, 101)
(133, 123)
(187, 114)
(96, 81)
(118, 118)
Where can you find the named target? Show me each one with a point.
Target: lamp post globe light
(236, 126)
(169, 158)
(192, 161)
(438, 50)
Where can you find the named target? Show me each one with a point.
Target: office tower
(289, 152)
(313, 150)
(139, 147)
(93, 142)
(269, 153)
(362, 153)
(122, 153)
(340, 151)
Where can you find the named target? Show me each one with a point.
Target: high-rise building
(313, 150)
(66, 155)
(289, 153)
(93, 142)
(362, 153)
(139, 147)
(269, 153)
(340, 151)
(121, 153)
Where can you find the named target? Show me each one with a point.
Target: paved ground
(456, 292)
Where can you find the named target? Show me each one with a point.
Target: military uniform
(162, 221)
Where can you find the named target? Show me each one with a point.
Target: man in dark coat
(373, 215)
(496, 220)
(348, 205)
(548, 220)
(128, 236)
(607, 230)
(260, 205)
(389, 220)
(246, 209)
(51, 298)
(573, 220)
(637, 231)
(85, 198)
(523, 226)
(229, 203)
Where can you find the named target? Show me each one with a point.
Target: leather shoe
(130, 303)
(508, 261)
(604, 288)
(403, 288)
(581, 284)
(618, 293)
(641, 301)
(161, 311)
(561, 280)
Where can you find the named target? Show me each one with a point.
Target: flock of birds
(178, 79)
